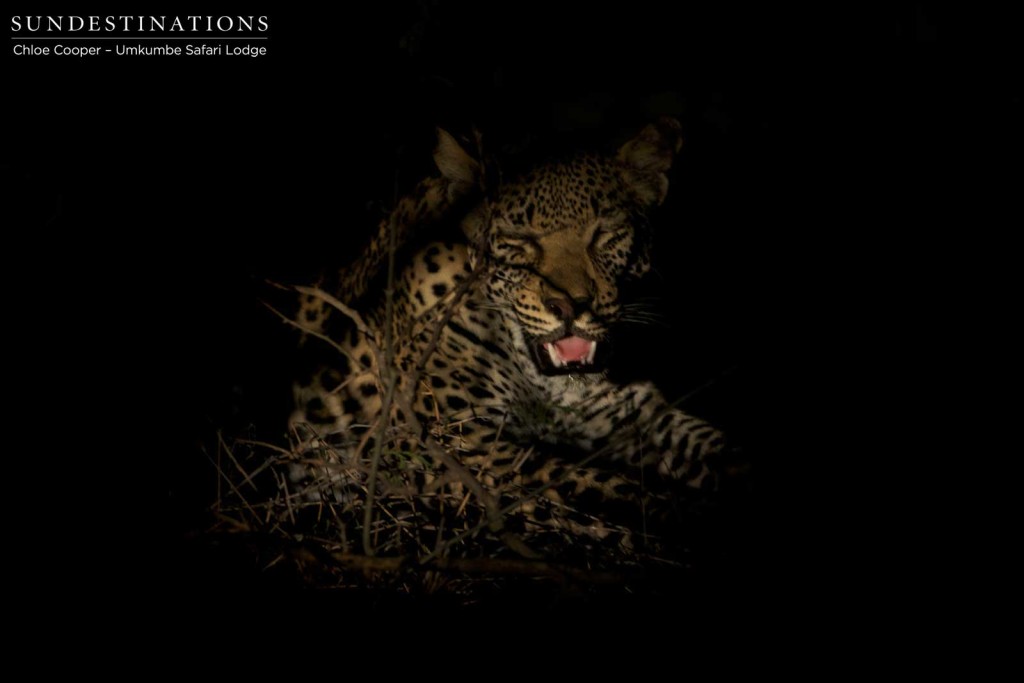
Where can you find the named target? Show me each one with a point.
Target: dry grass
(391, 503)
(430, 529)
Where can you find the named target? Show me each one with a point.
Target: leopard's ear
(456, 165)
(648, 157)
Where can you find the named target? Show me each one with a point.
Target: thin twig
(319, 335)
(480, 565)
(247, 476)
(352, 314)
(387, 377)
(231, 484)
(452, 306)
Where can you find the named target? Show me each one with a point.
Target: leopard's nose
(560, 307)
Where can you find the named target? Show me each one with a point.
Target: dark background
(148, 198)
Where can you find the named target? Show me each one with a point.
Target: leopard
(493, 341)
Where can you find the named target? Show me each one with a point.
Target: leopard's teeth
(556, 359)
(590, 354)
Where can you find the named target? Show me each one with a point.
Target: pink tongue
(573, 348)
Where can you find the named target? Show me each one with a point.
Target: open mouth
(569, 354)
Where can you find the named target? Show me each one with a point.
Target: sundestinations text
(141, 24)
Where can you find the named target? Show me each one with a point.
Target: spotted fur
(505, 332)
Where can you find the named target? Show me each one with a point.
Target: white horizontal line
(130, 38)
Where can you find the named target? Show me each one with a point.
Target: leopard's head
(562, 239)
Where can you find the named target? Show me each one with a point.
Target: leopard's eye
(607, 240)
(516, 251)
